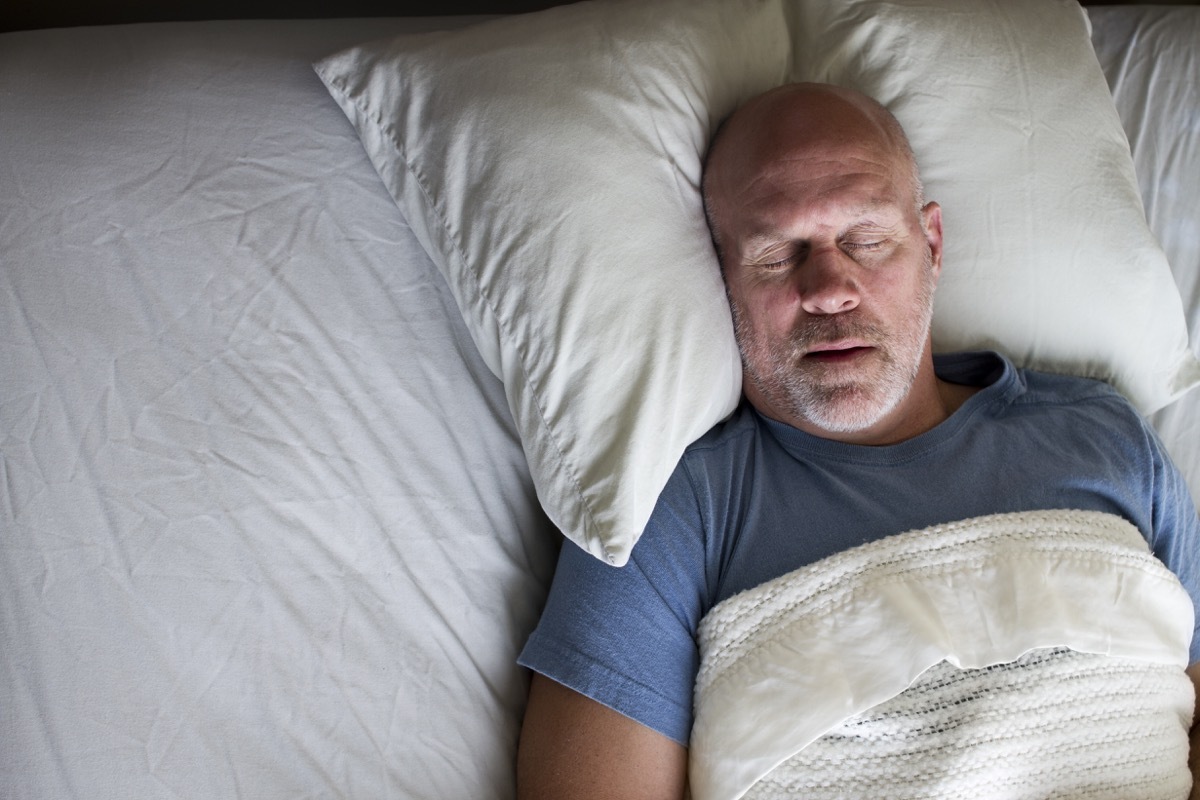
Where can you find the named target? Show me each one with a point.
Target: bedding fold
(1005, 655)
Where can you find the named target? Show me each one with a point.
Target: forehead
(816, 189)
(808, 146)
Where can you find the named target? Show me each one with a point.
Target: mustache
(827, 330)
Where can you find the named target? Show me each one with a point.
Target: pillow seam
(388, 133)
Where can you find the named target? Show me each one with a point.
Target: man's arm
(573, 747)
(1194, 758)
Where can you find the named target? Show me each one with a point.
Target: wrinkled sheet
(265, 527)
(1151, 59)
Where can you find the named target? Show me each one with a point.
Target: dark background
(29, 14)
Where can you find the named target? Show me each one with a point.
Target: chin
(846, 421)
(851, 410)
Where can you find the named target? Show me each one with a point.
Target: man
(852, 431)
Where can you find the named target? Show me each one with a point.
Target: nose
(827, 283)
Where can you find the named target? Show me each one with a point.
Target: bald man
(851, 431)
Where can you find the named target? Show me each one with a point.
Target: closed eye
(775, 265)
(774, 260)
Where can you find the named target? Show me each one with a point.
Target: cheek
(905, 300)
(902, 286)
(766, 309)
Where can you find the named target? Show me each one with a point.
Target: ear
(931, 224)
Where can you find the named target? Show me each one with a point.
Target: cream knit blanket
(1035, 655)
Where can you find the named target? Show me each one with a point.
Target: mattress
(267, 528)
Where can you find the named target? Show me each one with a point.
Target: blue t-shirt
(755, 499)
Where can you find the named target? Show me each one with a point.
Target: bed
(276, 517)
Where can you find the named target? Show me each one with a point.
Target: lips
(837, 352)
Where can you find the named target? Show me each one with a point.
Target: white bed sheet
(1151, 57)
(267, 531)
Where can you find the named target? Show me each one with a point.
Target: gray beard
(838, 405)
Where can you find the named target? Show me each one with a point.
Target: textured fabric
(756, 499)
(837, 670)
(1052, 724)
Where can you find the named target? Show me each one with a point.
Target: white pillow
(1048, 257)
(550, 163)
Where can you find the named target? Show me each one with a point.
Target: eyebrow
(761, 241)
(865, 215)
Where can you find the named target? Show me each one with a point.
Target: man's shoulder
(1029, 388)
(720, 456)
(1054, 389)
(740, 429)
(1078, 406)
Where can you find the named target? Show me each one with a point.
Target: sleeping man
(887, 574)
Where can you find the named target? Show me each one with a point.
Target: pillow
(1048, 257)
(550, 163)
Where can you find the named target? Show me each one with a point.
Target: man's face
(830, 267)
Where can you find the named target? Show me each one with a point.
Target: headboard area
(29, 15)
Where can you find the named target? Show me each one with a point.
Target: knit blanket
(1032, 655)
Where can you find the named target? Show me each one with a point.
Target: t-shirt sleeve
(1176, 538)
(626, 636)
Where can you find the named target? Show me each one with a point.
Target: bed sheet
(1151, 58)
(267, 531)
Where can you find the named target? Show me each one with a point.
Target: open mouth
(835, 354)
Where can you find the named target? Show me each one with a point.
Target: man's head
(830, 258)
